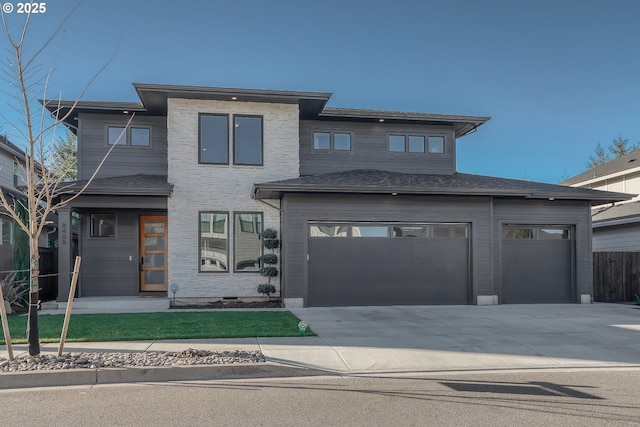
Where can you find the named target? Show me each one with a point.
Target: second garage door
(388, 264)
(537, 266)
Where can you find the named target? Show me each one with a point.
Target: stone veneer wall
(203, 187)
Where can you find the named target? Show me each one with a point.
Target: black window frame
(332, 141)
(228, 214)
(428, 144)
(200, 161)
(94, 235)
(125, 141)
(235, 236)
(234, 144)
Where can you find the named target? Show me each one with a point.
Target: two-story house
(616, 227)
(369, 206)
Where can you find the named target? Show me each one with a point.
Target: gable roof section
(130, 185)
(617, 166)
(624, 213)
(11, 148)
(383, 182)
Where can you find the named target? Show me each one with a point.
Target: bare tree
(42, 184)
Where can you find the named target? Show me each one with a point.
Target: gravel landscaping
(128, 360)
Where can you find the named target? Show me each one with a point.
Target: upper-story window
(415, 144)
(16, 174)
(436, 144)
(338, 141)
(247, 140)
(135, 136)
(214, 139)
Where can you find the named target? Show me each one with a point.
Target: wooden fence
(616, 276)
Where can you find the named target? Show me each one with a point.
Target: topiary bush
(268, 261)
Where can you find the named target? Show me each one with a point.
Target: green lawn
(160, 326)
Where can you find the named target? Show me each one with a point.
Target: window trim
(200, 161)
(407, 150)
(130, 143)
(444, 145)
(115, 226)
(233, 139)
(236, 214)
(332, 141)
(199, 260)
(126, 137)
(404, 145)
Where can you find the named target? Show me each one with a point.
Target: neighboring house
(616, 226)
(368, 204)
(12, 179)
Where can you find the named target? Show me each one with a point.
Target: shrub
(266, 289)
(13, 292)
(269, 271)
(269, 259)
(269, 233)
(271, 243)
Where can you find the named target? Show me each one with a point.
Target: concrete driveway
(402, 340)
(441, 338)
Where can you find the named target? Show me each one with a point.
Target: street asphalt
(391, 341)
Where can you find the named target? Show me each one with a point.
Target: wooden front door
(153, 253)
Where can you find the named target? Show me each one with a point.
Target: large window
(246, 241)
(214, 248)
(247, 140)
(214, 139)
(103, 225)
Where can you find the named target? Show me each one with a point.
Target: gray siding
(123, 160)
(299, 209)
(622, 238)
(6, 169)
(106, 269)
(576, 214)
(369, 149)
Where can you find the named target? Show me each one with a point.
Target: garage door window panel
(321, 230)
(409, 231)
(370, 231)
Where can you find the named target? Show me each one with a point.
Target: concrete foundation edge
(75, 377)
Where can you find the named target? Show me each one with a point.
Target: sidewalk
(395, 341)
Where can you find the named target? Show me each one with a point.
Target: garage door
(537, 265)
(388, 264)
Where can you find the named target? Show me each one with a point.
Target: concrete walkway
(411, 339)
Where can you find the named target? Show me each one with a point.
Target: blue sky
(557, 77)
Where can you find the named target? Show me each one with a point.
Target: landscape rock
(87, 360)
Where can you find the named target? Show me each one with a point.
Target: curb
(73, 377)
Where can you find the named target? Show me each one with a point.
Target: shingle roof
(383, 182)
(143, 185)
(626, 162)
(617, 214)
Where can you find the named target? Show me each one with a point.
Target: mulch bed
(220, 305)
